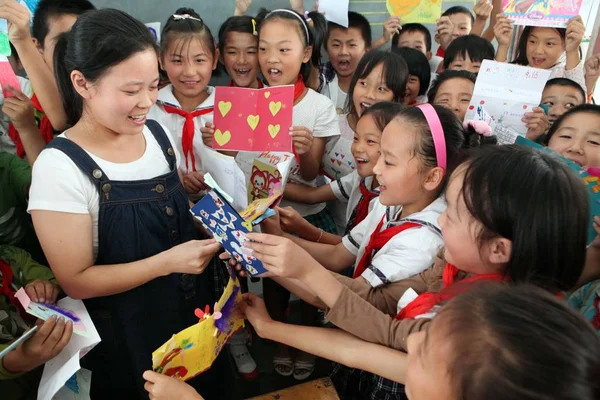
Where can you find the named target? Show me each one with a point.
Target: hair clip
(254, 27)
(179, 17)
(480, 127)
(307, 17)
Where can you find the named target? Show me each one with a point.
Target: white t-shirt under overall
(59, 185)
(408, 253)
(174, 122)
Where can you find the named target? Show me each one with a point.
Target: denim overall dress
(137, 220)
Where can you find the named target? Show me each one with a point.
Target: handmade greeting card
(507, 92)
(550, 13)
(227, 174)
(267, 180)
(591, 182)
(421, 11)
(253, 119)
(193, 350)
(45, 311)
(230, 228)
(7, 78)
(338, 160)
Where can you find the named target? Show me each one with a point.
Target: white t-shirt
(408, 253)
(315, 112)
(174, 122)
(337, 159)
(335, 94)
(59, 185)
(434, 63)
(6, 143)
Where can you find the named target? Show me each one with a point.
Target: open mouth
(244, 73)
(364, 106)
(344, 64)
(138, 119)
(362, 161)
(274, 73)
(190, 84)
(538, 61)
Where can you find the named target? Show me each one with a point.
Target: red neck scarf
(260, 84)
(46, 129)
(187, 138)
(440, 52)
(7, 279)
(299, 88)
(426, 301)
(379, 239)
(362, 208)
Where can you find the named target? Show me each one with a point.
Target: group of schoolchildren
(450, 266)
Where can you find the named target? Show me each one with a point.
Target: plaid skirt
(354, 384)
(323, 220)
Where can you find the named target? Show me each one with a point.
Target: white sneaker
(244, 362)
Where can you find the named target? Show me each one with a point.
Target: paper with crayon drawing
(230, 228)
(592, 183)
(193, 350)
(550, 13)
(253, 119)
(421, 11)
(507, 92)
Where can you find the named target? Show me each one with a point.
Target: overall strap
(163, 141)
(82, 159)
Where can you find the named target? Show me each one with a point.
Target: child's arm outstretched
(42, 81)
(482, 11)
(497, 9)
(292, 222)
(503, 30)
(573, 39)
(331, 344)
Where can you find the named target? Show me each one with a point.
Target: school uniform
(353, 190)
(576, 74)
(184, 126)
(138, 210)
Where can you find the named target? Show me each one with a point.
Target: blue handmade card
(230, 229)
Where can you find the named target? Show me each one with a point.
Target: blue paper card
(228, 228)
(592, 183)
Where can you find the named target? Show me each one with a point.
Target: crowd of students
(450, 266)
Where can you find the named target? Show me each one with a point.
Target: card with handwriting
(253, 119)
(507, 92)
(421, 11)
(548, 13)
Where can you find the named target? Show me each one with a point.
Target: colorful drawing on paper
(265, 179)
(592, 183)
(421, 11)
(253, 119)
(193, 350)
(45, 311)
(555, 13)
(230, 228)
(338, 160)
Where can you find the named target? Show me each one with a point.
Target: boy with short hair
(454, 22)
(417, 36)
(467, 53)
(560, 95)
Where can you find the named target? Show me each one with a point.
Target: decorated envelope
(253, 119)
(592, 183)
(229, 228)
(550, 13)
(421, 11)
(507, 92)
(193, 350)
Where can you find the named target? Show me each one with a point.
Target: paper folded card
(193, 350)
(421, 11)
(253, 119)
(230, 228)
(7, 78)
(548, 13)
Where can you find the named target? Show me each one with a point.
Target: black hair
(383, 113)
(413, 27)
(457, 138)
(418, 65)
(536, 201)
(238, 23)
(446, 76)
(566, 82)
(521, 53)
(395, 72)
(47, 9)
(355, 20)
(187, 28)
(518, 342)
(459, 10)
(476, 47)
(305, 30)
(99, 40)
(583, 108)
(14, 53)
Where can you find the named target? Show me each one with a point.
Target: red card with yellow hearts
(253, 119)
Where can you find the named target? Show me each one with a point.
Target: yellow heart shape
(267, 95)
(222, 138)
(253, 121)
(247, 225)
(274, 130)
(275, 107)
(224, 107)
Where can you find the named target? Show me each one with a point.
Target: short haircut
(446, 76)
(418, 65)
(476, 47)
(584, 108)
(47, 9)
(355, 20)
(410, 28)
(459, 10)
(566, 82)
